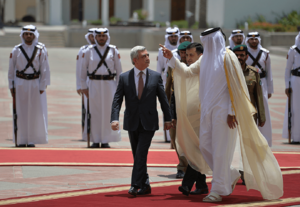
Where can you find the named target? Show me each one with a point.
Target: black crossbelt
(29, 60)
(102, 61)
(297, 49)
(263, 73)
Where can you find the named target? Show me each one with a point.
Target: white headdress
(31, 29)
(253, 35)
(170, 32)
(185, 33)
(297, 40)
(212, 68)
(235, 33)
(91, 31)
(102, 31)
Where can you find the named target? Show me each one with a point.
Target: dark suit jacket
(144, 109)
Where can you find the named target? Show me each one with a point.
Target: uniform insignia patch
(238, 32)
(241, 47)
(287, 56)
(253, 35)
(185, 33)
(82, 55)
(173, 33)
(77, 57)
(10, 55)
(119, 56)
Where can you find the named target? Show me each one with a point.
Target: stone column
(105, 12)
(55, 12)
(150, 10)
(10, 11)
(37, 11)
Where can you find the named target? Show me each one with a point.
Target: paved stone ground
(64, 106)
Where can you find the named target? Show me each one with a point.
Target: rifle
(83, 112)
(88, 123)
(289, 113)
(14, 112)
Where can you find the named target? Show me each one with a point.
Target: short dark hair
(198, 46)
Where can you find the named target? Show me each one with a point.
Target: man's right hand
(166, 52)
(115, 125)
(287, 92)
(85, 92)
(79, 92)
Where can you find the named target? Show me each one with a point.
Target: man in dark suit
(140, 86)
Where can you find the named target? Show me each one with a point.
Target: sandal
(212, 198)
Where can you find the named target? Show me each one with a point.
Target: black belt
(263, 74)
(28, 76)
(295, 72)
(101, 77)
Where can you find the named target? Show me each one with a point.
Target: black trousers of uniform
(140, 141)
(191, 176)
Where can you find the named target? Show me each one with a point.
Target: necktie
(141, 85)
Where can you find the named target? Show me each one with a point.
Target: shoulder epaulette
(228, 46)
(19, 45)
(265, 50)
(40, 43)
(175, 50)
(39, 46)
(294, 46)
(113, 46)
(253, 68)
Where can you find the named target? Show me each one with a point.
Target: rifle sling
(29, 60)
(102, 60)
(255, 60)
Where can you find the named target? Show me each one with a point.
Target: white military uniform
(162, 62)
(101, 92)
(267, 82)
(293, 62)
(31, 117)
(78, 71)
(182, 34)
(235, 33)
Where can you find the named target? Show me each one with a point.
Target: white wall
(162, 10)
(215, 13)
(122, 9)
(55, 12)
(237, 10)
(9, 11)
(66, 15)
(91, 9)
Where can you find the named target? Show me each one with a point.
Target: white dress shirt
(137, 77)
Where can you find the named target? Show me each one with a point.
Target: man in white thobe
(29, 82)
(101, 87)
(171, 42)
(225, 105)
(292, 81)
(184, 36)
(237, 37)
(91, 41)
(263, 63)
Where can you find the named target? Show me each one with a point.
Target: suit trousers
(140, 141)
(191, 176)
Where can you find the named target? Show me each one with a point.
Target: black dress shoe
(22, 145)
(184, 189)
(133, 191)
(95, 145)
(199, 191)
(144, 190)
(180, 174)
(30, 145)
(105, 145)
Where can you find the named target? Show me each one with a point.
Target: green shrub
(95, 22)
(180, 24)
(114, 20)
(142, 14)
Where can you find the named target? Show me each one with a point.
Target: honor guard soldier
(102, 65)
(28, 76)
(292, 83)
(91, 41)
(184, 36)
(237, 37)
(259, 57)
(171, 42)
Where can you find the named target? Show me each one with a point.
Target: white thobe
(101, 93)
(78, 81)
(31, 121)
(267, 88)
(293, 62)
(217, 140)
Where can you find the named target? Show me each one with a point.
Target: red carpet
(165, 196)
(106, 157)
